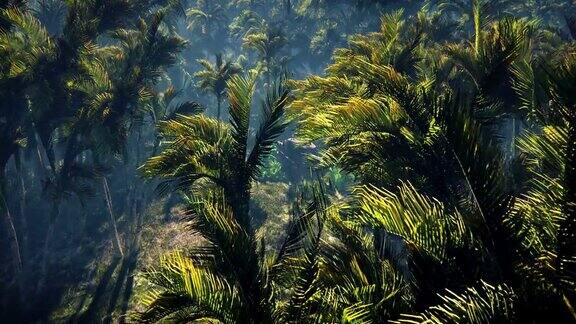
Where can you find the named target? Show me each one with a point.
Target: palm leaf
(423, 222)
(182, 292)
(271, 127)
(485, 304)
(240, 91)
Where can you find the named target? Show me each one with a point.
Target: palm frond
(529, 85)
(240, 91)
(182, 291)
(562, 88)
(195, 147)
(537, 213)
(479, 162)
(271, 127)
(485, 304)
(358, 283)
(423, 222)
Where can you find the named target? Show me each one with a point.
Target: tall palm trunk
(9, 223)
(54, 215)
(219, 105)
(24, 229)
(268, 61)
(111, 213)
(46, 168)
(23, 218)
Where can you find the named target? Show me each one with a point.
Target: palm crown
(215, 76)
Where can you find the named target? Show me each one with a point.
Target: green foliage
(215, 76)
(411, 131)
(487, 304)
(272, 169)
(442, 134)
(184, 292)
(422, 222)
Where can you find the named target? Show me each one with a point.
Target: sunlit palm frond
(213, 219)
(240, 92)
(358, 284)
(537, 213)
(272, 126)
(27, 43)
(423, 222)
(195, 147)
(562, 89)
(529, 84)
(484, 304)
(393, 45)
(182, 291)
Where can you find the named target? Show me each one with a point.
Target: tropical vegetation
(288, 161)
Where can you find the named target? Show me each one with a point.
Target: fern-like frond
(181, 291)
(423, 222)
(195, 148)
(240, 92)
(272, 126)
(485, 304)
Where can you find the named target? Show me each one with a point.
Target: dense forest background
(259, 161)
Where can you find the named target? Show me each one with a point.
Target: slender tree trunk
(22, 279)
(82, 225)
(477, 15)
(513, 139)
(41, 159)
(111, 213)
(268, 72)
(219, 105)
(9, 224)
(23, 218)
(54, 215)
(288, 8)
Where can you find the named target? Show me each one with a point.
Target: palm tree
(206, 17)
(208, 21)
(268, 43)
(245, 23)
(385, 119)
(235, 286)
(165, 107)
(17, 67)
(215, 76)
(545, 214)
(376, 277)
(103, 107)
